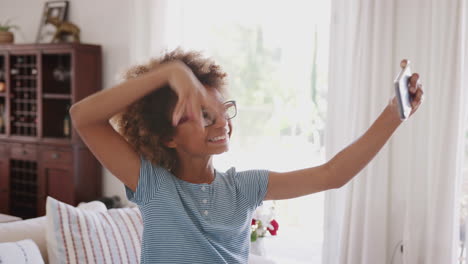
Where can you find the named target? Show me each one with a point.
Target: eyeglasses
(230, 111)
(209, 118)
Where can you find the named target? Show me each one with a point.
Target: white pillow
(78, 236)
(35, 228)
(24, 251)
(93, 206)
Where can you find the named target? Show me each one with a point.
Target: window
(276, 57)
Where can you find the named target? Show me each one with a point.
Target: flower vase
(258, 247)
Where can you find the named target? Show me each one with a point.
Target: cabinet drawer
(60, 156)
(28, 153)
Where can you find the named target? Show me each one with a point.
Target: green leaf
(6, 26)
(253, 236)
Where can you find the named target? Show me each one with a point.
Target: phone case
(402, 92)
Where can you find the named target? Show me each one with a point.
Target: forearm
(101, 106)
(351, 160)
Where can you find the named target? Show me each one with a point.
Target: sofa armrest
(33, 228)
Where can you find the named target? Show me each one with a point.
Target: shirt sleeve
(149, 181)
(253, 185)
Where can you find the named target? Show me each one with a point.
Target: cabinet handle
(24, 152)
(55, 155)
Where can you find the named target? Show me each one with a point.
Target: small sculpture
(64, 28)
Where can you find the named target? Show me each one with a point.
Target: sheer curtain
(406, 198)
(155, 28)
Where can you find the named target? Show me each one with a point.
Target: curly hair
(146, 124)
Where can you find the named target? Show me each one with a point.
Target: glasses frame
(213, 121)
(185, 119)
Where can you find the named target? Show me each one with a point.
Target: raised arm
(91, 116)
(348, 162)
(101, 106)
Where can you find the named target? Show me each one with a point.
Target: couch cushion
(35, 228)
(24, 251)
(78, 236)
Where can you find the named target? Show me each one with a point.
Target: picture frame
(57, 9)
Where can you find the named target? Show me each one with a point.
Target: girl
(172, 116)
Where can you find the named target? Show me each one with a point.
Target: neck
(195, 170)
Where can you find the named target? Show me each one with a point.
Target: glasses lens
(208, 118)
(230, 111)
(230, 108)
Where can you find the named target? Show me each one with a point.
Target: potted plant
(6, 36)
(263, 221)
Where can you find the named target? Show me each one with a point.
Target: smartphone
(402, 91)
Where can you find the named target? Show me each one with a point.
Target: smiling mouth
(218, 138)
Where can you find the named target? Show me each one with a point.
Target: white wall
(103, 22)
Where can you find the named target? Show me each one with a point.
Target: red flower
(275, 227)
(254, 221)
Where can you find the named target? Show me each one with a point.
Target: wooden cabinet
(4, 180)
(40, 153)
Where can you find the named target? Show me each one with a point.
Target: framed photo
(52, 9)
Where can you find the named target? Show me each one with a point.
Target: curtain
(155, 28)
(406, 198)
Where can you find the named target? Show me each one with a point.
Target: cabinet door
(4, 186)
(57, 182)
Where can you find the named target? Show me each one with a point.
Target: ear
(170, 142)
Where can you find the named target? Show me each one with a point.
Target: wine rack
(23, 95)
(40, 153)
(23, 184)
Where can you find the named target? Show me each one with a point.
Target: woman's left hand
(416, 92)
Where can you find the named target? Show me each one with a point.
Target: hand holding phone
(402, 92)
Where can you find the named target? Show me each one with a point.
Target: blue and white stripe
(197, 223)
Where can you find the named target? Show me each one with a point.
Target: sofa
(88, 233)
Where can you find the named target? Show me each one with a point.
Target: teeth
(217, 138)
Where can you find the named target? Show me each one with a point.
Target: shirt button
(206, 212)
(203, 188)
(205, 201)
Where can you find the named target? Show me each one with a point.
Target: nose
(221, 120)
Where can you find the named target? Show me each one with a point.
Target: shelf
(20, 138)
(24, 65)
(56, 73)
(19, 100)
(56, 96)
(63, 141)
(25, 77)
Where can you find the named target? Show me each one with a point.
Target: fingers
(211, 104)
(195, 109)
(416, 91)
(413, 82)
(179, 110)
(418, 98)
(188, 107)
(403, 63)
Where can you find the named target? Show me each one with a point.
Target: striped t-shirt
(197, 223)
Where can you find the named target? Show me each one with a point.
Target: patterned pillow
(79, 236)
